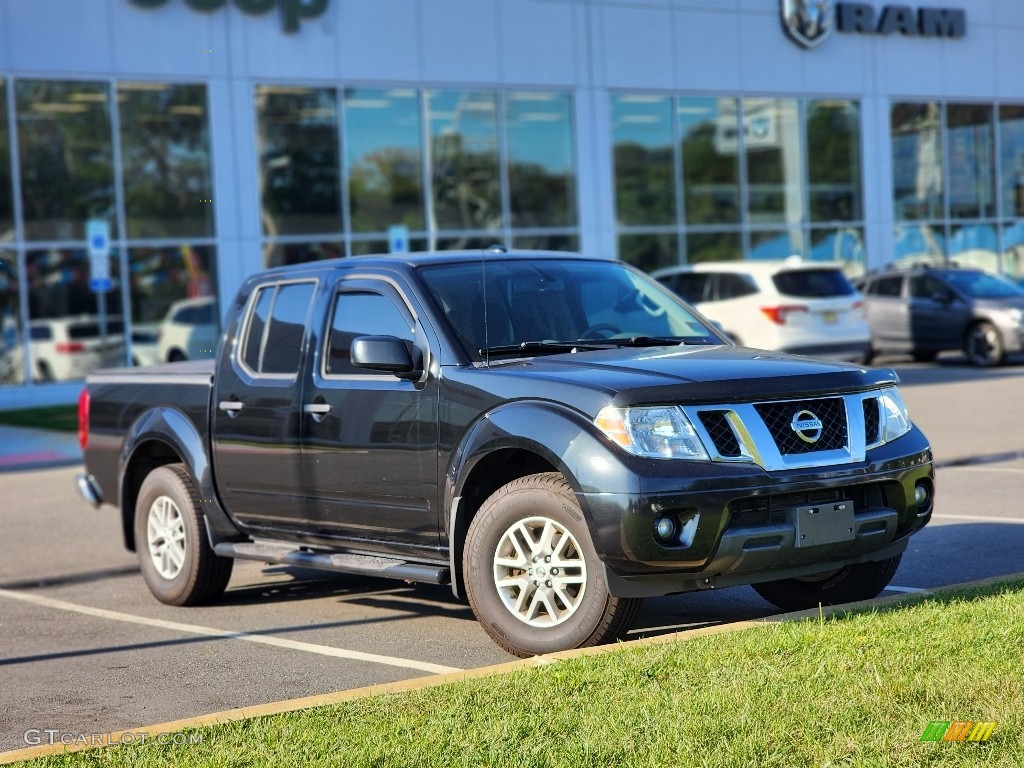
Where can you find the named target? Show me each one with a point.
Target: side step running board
(290, 554)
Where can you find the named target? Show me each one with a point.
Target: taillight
(69, 347)
(83, 418)
(858, 306)
(779, 315)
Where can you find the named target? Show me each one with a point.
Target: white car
(804, 308)
(66, 348)
(188, 331)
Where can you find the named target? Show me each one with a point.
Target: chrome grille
(778, 417)
(717, 425)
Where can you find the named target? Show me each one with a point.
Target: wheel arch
(167, 436)
(515, 440)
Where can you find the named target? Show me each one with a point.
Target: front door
(370, 449)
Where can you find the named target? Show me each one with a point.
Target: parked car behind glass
(804, 308)
(65, 348)
(926, 310)
(189, 331)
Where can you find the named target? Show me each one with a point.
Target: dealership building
(154, 152)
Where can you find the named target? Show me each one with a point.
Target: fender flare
(172, 428)
(564, 438)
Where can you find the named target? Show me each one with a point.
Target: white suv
(804, 308)
(66, 348)
(188, 331)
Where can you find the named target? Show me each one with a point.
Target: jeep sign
(292, 11)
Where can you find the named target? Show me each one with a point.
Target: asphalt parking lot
(84, 648)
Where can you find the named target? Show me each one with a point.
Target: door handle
(317, 410)
(231, 407)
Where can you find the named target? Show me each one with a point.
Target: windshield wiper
(545, 346)
(661, 341)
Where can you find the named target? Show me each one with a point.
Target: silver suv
(926, 310)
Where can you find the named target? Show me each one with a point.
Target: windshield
(553, 303)
(982, 285)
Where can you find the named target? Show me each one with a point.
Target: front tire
(984, 346)
(846, 585)
(532, 575)
(177, 562)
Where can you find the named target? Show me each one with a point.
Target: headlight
(1016, 316)
(662, 432)
(893, 416)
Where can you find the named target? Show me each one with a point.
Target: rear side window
(276, 328)
(693, 286)
(813, 283)
(40, 333)
(886, 286)
(732, 286)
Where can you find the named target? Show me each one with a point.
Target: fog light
(920, 495)
(665, 528)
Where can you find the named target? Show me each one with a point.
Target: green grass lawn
(62, 418)
(850, 690)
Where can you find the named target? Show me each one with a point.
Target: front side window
(362, 313)
(276, 328)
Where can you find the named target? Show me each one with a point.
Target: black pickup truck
(556, 436)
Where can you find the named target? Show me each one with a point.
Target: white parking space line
(969, 468)
(908, 590)
(278, 642)
(981, 518)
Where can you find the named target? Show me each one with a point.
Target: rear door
(257, 409)
(370, 450)
(888, 314)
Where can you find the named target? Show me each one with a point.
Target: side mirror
(387, 353)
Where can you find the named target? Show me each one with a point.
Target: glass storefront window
(974, 245)
(165, 154)
(645, 187)
(374, 247)
(771, 245)
(547, 242)
(1011, 160)
(917, 160)
(65, 147)
(1013, 249)
(66, 337)
(163, 275)
(970, 150)
(6, 199)
(280, 254)
(713, 246)
(465, 181)
(11, 368)
(920, 242)
(710, 159)
(833, 160)
(300, 176)
(541, 160)
(384, 158)
(649, 252)
(771, 141)
(845, 244)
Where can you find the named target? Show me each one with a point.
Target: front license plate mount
(829, 523)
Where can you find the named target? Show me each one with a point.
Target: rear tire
(177, 562)
(846, 585)
(532, 575)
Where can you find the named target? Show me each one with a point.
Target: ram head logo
(807, 22)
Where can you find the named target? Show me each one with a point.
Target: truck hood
(719, 374)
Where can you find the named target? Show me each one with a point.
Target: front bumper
(748, 525)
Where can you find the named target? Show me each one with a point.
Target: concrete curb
(150, 732)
